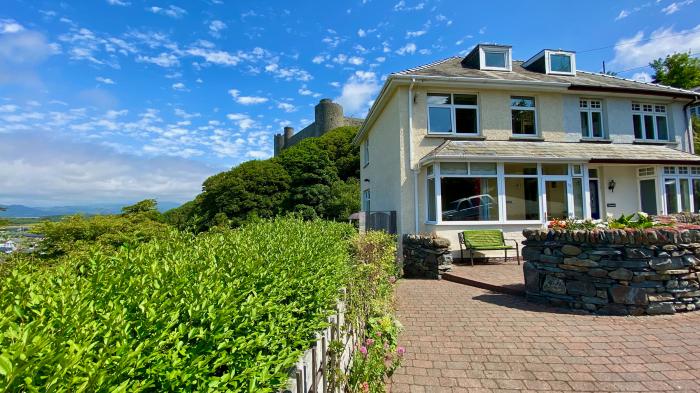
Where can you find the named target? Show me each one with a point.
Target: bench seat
(485, 240)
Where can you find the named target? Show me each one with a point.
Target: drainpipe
(414, 172)
(689, 123)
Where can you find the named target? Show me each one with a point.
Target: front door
(556, 199)
(647, 195)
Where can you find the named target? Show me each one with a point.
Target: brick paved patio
(508, 275)
(464, 339)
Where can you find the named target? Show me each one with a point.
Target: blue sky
(118, 100)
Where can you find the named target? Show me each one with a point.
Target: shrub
(230, 310)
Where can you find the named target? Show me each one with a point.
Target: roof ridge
(636, 81)
(425, 65)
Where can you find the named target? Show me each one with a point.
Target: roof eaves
(645, 84)
(424, 66)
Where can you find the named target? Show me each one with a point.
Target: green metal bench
(484, 240)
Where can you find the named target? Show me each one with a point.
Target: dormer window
(554, 62)
(560, 63)
(489, 57)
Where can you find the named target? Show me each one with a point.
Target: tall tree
(677, 70)
(252, 189)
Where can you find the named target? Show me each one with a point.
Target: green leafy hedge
(222, 311)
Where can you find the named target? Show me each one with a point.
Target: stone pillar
(328, 115)
(426, 256)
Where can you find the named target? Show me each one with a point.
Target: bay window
(524, 119)
(681, 189)
(469, 191)
(453, 114)
(649, 122)
(591, 112)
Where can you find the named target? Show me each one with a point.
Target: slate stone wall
(618, 272)
(426, 256)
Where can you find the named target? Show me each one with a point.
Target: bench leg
(471, 256)
(506, 258)
(517, 253)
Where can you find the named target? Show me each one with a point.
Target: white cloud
(215, 27)
(401, 6)
(8, 108)
(639, 50)
(380, 59)
(641, 77)
(73, 173)
(246, 100)
(171, 11)
(287, 107)
(243, 121)
(410, 34)
(118, 2)
(215, 56)
(356, 60)
(335, 84)
(675, 6)
(318, 59)
(106, 81)
(179, 86)
(443, 18)
(163, 60)
(622, 15)
(288, 73)
(361, 33)
(9, 26)
(409, 48)
(358, 92)
(304, 91)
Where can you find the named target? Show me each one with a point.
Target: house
(695, 109)
(487, 142)
(328, 115)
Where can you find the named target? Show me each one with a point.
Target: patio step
(483, 285)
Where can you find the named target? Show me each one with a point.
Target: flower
(392, 279)
(365, 387)
(379, 334)
(400, 351)
(369, 342)
(363, 350)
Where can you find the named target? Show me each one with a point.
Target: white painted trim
(507, 51)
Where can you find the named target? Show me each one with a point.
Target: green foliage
(677, 70)
(223, 311)
(312, 174)
(78, 234)
(643, 221)
(572, 224)
(343, 154)
(145, 206)
(343, 200)
(252, 189)
(377, 358)
(183, 217)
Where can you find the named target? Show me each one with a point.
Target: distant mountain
(28, 211)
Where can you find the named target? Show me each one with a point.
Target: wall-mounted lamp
(611, 185)
(366, 180)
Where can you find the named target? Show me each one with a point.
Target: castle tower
(279, 144)
(329, 115)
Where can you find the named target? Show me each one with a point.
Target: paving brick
(464, 339)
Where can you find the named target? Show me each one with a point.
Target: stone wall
(426, 256)
(619, 272)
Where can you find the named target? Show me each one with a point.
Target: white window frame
(548, 61)
(453, 113)
(431, 176)
(501, 179)
(506, 52)
(674, 172)
(639, 109)
(533, 109)
(589, 110)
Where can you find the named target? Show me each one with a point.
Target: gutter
(413, 172)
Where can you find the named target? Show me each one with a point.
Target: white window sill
(478, 137)
(654, 142)
(484, 223)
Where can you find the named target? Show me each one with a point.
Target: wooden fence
(310, 373)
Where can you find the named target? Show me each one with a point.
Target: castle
(327, 116)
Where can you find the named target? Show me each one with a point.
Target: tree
(341, 151)
(312, 174)
(696, 134)
(677, 70)
(344, 199)
(145, 206)
(254, 188)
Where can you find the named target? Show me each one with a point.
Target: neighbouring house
(487, 142)
(328, 115)
(695, 109)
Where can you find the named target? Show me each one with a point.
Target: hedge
(224, 311)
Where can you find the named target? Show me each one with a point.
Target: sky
(110, 101)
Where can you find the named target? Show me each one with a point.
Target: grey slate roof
(560, 151)
(452, 67)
